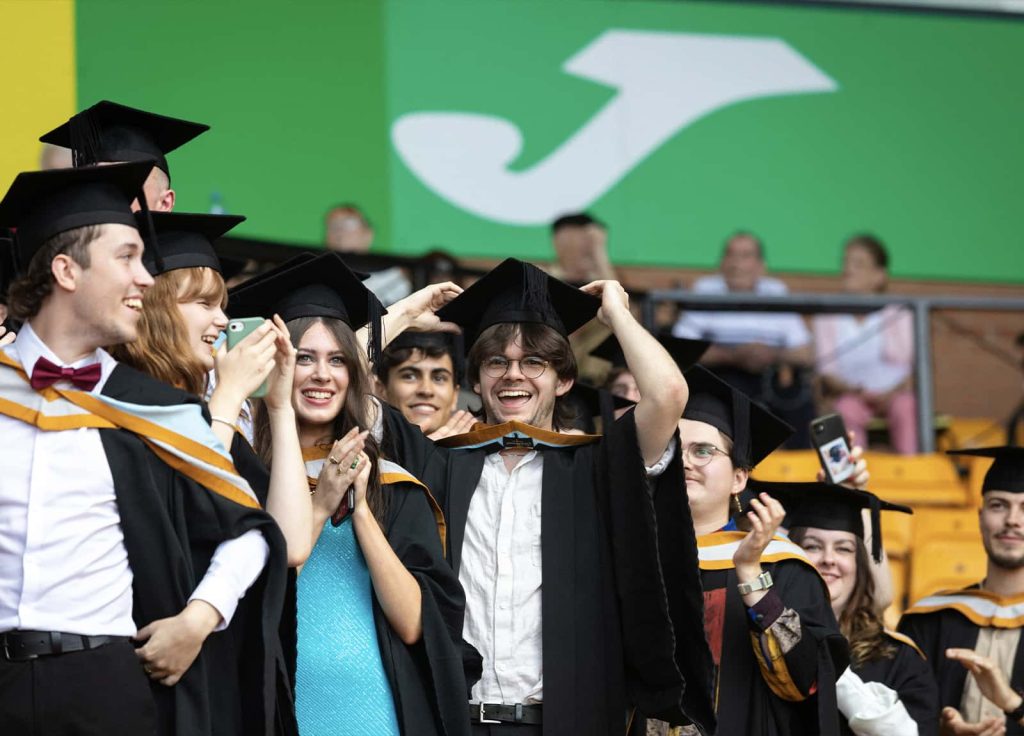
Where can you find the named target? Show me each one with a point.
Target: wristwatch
(761, 582)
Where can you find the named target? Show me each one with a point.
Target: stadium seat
(976, 469)
(789, 465)
(898, 572)
(945, 563)
(967, 432)
(915, 480)
(944, 524)
(897, 530)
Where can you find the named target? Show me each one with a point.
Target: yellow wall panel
(37, 78)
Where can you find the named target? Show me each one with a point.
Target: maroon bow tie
(45, 374)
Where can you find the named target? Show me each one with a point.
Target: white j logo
(665, 82)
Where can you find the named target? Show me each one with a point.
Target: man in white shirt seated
(766, 355)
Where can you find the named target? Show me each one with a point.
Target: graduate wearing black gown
(607, 609)
(877, 654)
(959, 618)
(426, 678)
(176, 498)
(775, 664)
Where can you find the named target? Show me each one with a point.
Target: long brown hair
(353, 412)
(859, 622)
(162, 349)
(534, 339)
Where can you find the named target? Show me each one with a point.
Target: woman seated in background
(865, 361)
(827, 522)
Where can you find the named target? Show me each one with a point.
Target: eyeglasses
(531, 366)
(699, 454)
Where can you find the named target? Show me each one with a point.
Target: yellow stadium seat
(898, 572)
(967, 432)
(897, 530)
(939, 524)
(945, 563)
(915, 480)
(976, 469)
(789, 465)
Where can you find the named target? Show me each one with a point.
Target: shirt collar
(29, 348)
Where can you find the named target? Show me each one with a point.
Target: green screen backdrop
(469, 125)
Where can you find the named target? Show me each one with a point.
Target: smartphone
(238, 330)
(828, 435)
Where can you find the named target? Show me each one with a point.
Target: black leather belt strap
(496, 713)
(21, 646)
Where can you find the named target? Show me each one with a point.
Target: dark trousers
(506, 729)
(97, 692)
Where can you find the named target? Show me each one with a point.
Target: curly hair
(534, 339)
(28, 292)
(353, 413)
(860, 622)
(162, 348)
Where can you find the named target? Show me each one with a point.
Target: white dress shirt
(63, 563)
(501, 572)
(777, 329)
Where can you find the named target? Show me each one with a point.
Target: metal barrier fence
(920, 306)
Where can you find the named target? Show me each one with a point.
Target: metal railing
(920, 307)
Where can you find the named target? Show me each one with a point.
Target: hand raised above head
(614, 299)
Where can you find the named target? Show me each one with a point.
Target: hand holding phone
(828, 435)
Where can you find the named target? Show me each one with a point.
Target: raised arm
(663, 391)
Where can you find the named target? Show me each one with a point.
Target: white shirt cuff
(871, 708)
(653, 471)
(235, 565)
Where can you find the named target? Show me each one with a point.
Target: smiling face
(514, 395)
(321, 382)
(709, 488)
(834, 554)
(1001, 518)
(742, 263)
(861, 273)
(108, 294)
(202, 314)
(423, 388)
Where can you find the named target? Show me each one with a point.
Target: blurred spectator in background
(766, 355)
(1013, 431)
(54, 157)
(348, 230)
(581, 248)
(865, 362)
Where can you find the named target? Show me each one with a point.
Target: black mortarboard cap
(1006, 473)
(321, 286)
(684, 352)
(515, 291)
(185, 240)
(829, 506)
(110, 132)
(755, 432)
(41, 204)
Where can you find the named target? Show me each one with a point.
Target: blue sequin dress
(341, 688)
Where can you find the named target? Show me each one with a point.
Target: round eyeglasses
(531, 366)
(699, 454)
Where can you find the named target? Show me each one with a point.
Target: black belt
(21, 646)
(496, 713)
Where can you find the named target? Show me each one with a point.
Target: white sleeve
(235, 565)
(871, 708)
(796, 333)
(653, 471)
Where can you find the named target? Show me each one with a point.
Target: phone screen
(835, 456)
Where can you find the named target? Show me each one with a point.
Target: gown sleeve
(413, 534)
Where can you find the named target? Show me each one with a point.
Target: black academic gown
(937, 631)
(909, 674)
(607, 637)
(427, 679)
(172, 526)
(746, 703)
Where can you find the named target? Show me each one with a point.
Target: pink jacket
(897, 337)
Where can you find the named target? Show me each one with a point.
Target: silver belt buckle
(482, 718)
